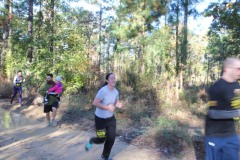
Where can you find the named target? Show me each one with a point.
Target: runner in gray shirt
(108, 97)
(106, 100)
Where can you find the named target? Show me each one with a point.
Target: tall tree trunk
(10, 33)
(52, 25)
(178, 56)
(185, 34)
(5, 33)
(184, 51)
(39, 20)
(30, 30)
(177, 45)
(100, 38)
(108, 66)
(10, 23)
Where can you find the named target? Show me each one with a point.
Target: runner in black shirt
(221, 140)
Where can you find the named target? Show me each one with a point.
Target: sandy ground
(36, 141)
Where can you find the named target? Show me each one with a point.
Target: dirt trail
(36, 141)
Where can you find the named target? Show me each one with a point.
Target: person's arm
(42, 89)
(215, 94)
(53, 89)
(97, 103)
(118, 104)
(14, 80)
(223, 114)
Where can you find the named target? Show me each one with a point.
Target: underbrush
(152, 115)
(5, 88)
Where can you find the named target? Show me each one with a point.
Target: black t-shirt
(222, 96)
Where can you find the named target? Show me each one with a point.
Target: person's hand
(119, 104)
(111, 107)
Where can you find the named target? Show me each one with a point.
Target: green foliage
(224, 31)
(225, 15)
(68, 58)
(164, 122)
(158, 53)
(137, 16)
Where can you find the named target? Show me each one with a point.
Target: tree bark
(184, 51)
(100, 38)
(177, 45)
(52, 25)
(185, 35)
(30, 30)
(5, 33)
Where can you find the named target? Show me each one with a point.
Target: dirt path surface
(36, 141)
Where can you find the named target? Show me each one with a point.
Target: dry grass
(150, 117)
(172, 124)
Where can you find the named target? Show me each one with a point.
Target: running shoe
(49, 124)
(88, 146)
(54, 123)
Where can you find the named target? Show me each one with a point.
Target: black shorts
(48, 108)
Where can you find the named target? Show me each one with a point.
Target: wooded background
(146, 43)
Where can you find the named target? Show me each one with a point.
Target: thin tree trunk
(52, 25)
(178, 56)
(10, 33)
(5, 33)
(30, 30)
(177, 45)
(100, 38)
(108, 67)
(184, 51)
(185, 34)
(39, 20)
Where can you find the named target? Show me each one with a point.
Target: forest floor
(36, 141)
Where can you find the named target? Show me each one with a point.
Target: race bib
(18, 84)
(101, 133)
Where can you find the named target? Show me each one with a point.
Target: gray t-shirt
(107, 97)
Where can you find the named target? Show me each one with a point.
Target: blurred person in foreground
(221, 141)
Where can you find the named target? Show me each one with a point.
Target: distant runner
(17, 87)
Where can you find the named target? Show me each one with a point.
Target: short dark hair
(49, 74)
(19, 71)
